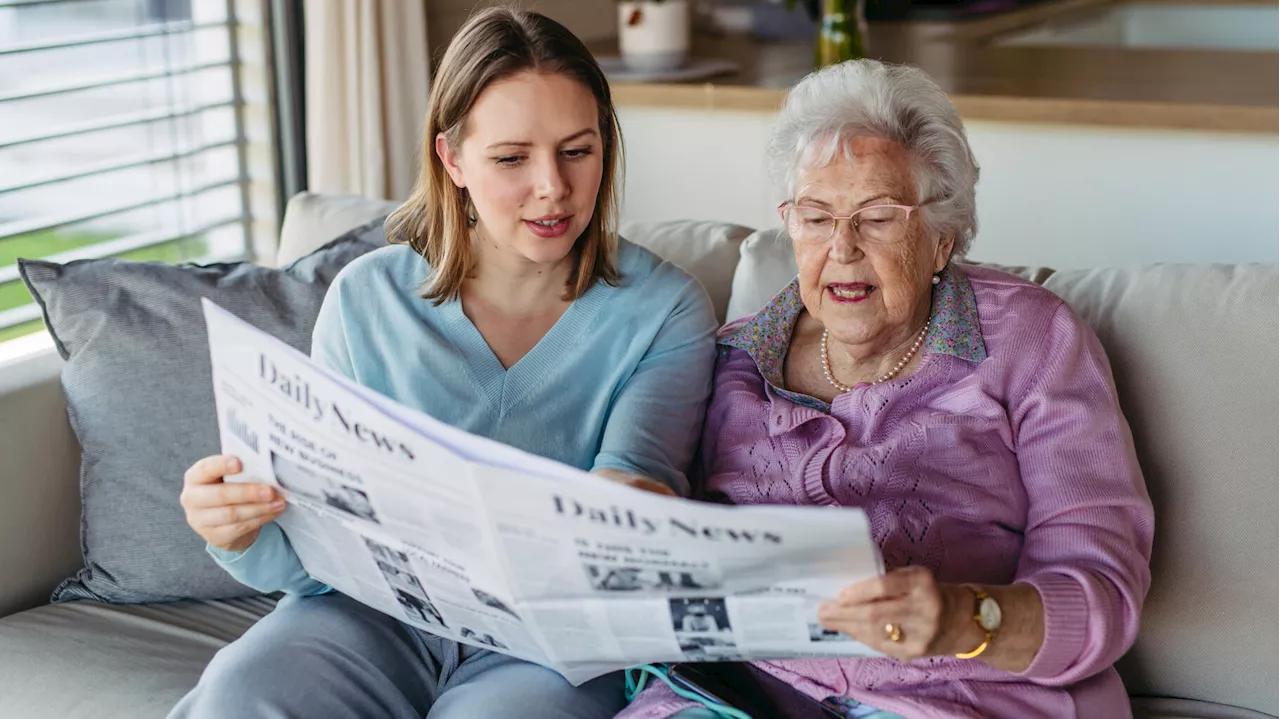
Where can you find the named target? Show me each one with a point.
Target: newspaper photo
(482, 543)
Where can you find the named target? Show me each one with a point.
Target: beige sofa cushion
(88, 660)
(707, 250)
(312, 219)
(39, 483)
(767, 265)
(1194, 352)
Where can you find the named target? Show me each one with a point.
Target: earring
(471, 211)
(936, 279)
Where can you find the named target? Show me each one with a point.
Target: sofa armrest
(39, 482)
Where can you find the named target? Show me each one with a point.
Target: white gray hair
(866, 98)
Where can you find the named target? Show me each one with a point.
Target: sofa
(1194, 352)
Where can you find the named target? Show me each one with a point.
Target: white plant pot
(654, 36)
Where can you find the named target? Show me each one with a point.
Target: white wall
(1055, 195)
(696, 164)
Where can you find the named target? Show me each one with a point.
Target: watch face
(989, 614)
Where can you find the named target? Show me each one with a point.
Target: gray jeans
(331, 656)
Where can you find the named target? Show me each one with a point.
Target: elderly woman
(971, 414)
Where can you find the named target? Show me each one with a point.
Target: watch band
(979, 594)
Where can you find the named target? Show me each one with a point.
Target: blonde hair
(495, 44)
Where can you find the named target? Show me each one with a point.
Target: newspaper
(491, 546)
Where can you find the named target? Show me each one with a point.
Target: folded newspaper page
(491, 546)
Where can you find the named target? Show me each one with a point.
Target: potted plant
(653, 35)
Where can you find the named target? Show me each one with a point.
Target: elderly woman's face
(869, 294)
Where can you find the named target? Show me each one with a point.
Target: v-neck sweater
(620, 381)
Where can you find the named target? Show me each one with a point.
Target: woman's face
(532, 160)
(870, 296)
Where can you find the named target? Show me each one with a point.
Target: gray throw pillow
(140, 398)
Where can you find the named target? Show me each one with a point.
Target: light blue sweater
(621, 381)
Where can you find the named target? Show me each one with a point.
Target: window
(138, 129)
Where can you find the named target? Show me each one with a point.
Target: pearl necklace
(915, 347)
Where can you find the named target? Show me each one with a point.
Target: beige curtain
(367, 77)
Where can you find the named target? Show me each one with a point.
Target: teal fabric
(637, 677)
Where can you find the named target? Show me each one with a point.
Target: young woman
(507, 307)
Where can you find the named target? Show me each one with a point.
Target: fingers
(867, 623)
(896, 583)
(211, 469)
(227, 515)
(200, 496)
(908, 598)
(651, 485)
(203, 485)
(234, 514)
(635, 481)
(233, 527)
(865, 617)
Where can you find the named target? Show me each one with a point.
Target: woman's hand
(935, 618)
(636, 481)
(932, 618)
(228, 516)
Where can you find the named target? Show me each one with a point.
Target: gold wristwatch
(987, 615)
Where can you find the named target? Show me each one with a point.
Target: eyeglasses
(879, 224)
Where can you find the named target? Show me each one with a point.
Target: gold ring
(893, 632)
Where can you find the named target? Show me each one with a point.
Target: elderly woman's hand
(933, 618)
(930, 617)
